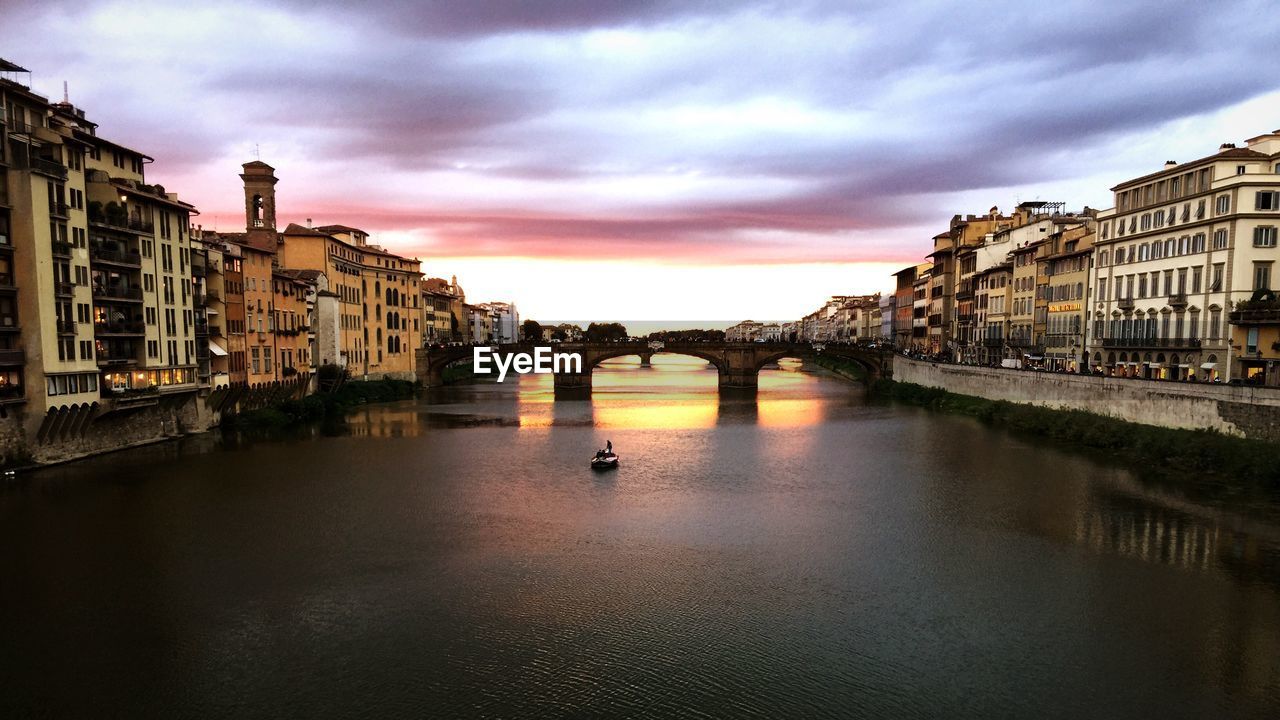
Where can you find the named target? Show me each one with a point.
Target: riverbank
(1243, 462)
(320, 406)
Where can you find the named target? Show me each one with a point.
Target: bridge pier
(573, 381)
(739, 379)
(646, 359)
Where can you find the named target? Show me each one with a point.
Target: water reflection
(796, 552)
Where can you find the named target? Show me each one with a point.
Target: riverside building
(1178, 251)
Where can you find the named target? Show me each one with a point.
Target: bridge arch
(869, 362)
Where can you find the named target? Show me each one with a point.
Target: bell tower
(260, 204)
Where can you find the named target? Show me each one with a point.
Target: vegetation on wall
(321, 406)
(1176, 451)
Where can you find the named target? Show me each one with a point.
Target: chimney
(1226, 146)
(1170, 163)
(308, 223)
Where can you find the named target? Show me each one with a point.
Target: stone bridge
(738, 363)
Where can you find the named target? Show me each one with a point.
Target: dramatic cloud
(656, 131)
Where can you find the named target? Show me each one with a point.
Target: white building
(1179, 247)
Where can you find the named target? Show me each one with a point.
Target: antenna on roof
(256, 155)
(66, 96)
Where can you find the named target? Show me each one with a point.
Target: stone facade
(1252, 412)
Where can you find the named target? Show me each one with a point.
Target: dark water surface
(800, 554)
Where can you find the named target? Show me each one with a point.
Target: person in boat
(608, 447)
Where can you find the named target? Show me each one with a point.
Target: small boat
(604, 461)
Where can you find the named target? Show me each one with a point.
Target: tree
(531, 330)
(605, 332)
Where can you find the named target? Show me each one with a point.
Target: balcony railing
(66, 327)
(1177, 299)
(1146, 342)
(202, 327)
(12, 356)
(50, 167)
(993, 342)
(1125, 303)
(108, 292)
(64, 288)
(129, 257)
(1264, 316)
(59, 209)
(136, 327)
(61, 248)
(115, 221)
(115, 357)
(12, 393)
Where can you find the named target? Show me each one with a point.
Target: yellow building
(1066, 267)
(103, 281)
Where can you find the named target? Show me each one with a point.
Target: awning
(216, 350)
(1184, 365)
(1208, 366)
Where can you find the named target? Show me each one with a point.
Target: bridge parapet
(738, 363)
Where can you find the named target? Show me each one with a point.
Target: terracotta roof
(331, 229)
(296, 229)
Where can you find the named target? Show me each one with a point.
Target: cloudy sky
(656, 159)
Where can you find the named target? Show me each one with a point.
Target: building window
(1264, 236)
(1262, 276)
(1220, 240)
(1222, 205)
(1269, 200)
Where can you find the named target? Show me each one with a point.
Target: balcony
(1177, 299)
(12, 356)
(9, 323)
(1125, 303)
(116, 293)
(215, 331)
(60, 248)
(59, 210)
(116, 256)
(115, 356)
(66, 327)
(1152, 343)
(64, 289)
(202, 327)
(6, 284)
(136, 327)
(119, 222)
(12, 394)
(993, 342)
(1255, 317)
(965, 319)
(50, 167)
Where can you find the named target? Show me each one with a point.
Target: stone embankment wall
(1251, 412)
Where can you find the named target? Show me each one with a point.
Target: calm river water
(799, 554)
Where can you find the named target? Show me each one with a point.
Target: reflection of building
(1180, 247)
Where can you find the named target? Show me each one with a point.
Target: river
(801, 553)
